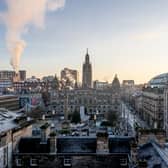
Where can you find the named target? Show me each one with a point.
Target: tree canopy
(76, 117)
(112, 117)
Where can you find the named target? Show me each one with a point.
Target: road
(131, 118)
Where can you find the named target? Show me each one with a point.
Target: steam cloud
(19, 16)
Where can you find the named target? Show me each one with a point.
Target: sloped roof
(76, 145)
(33, 145)
(150, 154)
(120, 144)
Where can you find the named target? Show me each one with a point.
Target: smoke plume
(19, 16)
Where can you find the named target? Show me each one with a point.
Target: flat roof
(7, 120)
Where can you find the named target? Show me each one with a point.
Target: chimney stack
(16, 77)
(134, 151)
(53, 142)
(45, 131)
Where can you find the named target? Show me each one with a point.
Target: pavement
(130, 118)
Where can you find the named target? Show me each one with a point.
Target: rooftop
(159, 80)
(33, 145)
(7, 96)
(76, 145)
(120, 144)
(154, 155)
(7, 120)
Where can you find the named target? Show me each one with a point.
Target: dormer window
(123, 162)
(19, 162)
(33, 162)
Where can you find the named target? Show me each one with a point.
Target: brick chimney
(53, 142)
(102, 142)
(45, 131)
(16, 77)
(134, 151)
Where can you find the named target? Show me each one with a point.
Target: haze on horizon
(124, 37)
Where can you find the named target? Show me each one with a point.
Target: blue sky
(127, 37)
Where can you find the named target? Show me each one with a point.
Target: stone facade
(102, 144)
(73, 152)
(17, 133)
(153, 107)
(70, 74)
(92, 100)
(9, 140)
(166, 110)
(145, 136)
(138, 104)
(5, 149)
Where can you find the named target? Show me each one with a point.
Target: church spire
(87, 56)
(87, 72)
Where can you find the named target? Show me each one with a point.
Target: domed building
(159, 81)
(116, 84)
(116, 93)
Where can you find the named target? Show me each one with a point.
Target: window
(67, 162)
(19, 162)
(5, 151)
(33, 162)
(123, 162)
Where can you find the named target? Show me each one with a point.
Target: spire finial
(87, 51)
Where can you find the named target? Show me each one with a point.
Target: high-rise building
(70, 74)
(7, 74)
(87, 73)
(10, 102)
(99, 85)
(22, 75)
(11, 75)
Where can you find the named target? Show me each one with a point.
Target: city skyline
(124, 37)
